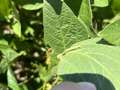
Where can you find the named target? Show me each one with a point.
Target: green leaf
(3, 87)
(92, 59)
(8, 56)
(5, 8)
(61, 26)
(29, 30)
(23, 87)
(45, 74)
(35, 6)
(12, 82)
(3, 41)
(31, 4)
(115, 6)
(87, 42)
(16, 26)
(101, 3)
(85, 12)
(82, 9)
(115, 18)
(111, 33)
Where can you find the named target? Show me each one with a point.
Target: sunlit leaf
(92, 59)
(5, 8)
(8, 56)
(115, 6)
(12, 82)
(35, 6)
(85, 12)
(101, 3)
(61, 26)
(17, 28)
(111, 33)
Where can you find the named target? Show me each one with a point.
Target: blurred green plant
(42, 40)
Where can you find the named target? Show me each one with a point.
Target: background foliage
(38, 38)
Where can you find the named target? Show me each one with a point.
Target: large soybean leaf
(61, 26)
(82, 9)
(12, 82)
(92, 59)
(8, 56)
(111, 33)
(86, 42)
(85, 12)
(101, 3)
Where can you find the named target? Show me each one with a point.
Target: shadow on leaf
(56, 4)
(101, 82)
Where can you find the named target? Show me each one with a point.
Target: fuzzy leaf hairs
(67, 85)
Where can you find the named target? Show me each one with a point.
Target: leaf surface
(35, 6)
(8, 56)
(94, 59)
(111, 33)
(85, 12)
(101, 3)
(62, 28)
(5, 8)
(17, 28)
(12, 82)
